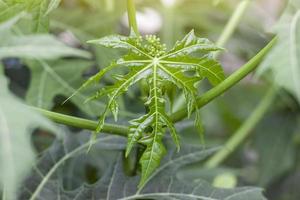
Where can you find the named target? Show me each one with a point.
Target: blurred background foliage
(268, 159)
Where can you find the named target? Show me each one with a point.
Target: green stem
(233, 23)
(244, 131)
(177, 116)
(169, 24)
(132, 16)
(83, 123)
(228, 82)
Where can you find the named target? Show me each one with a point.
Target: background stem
(232, 24)
(132, 16)
(244, 131)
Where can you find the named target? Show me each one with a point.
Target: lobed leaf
(148, 60)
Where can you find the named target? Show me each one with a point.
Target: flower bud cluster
(153, 46)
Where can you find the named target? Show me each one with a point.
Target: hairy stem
(83, 123)
(228, 82)
(244, 131)
(177, 116)
(132, 16)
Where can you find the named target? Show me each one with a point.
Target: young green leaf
(148, 60)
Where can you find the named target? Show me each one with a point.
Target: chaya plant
(162, 70)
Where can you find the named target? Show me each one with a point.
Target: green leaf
(189, 44)
(152, 156)
(61, 77)
(281, 149)
(136, 130)
(38, 47)
(16, 125)
(9, 9)
(283, 61)
(149, 61)
(59, 161)
(205, 67)
(115, 184)
(39, 10)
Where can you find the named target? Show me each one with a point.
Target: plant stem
(228, 82)
(177, 116)
(232, 23)
(132, 16)
(244, 131)
(83, 123)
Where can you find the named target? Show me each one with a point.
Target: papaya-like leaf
(163, 71)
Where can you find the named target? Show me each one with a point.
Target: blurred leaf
(33, 46)
(10, 8)
(46, 180)
(50, 79)
(39, 10)
(114, 184)
(279, 150)
(16, 154)
(38, 46)
(40, 20)
(286, 189)
(164, 185)
(283, 61)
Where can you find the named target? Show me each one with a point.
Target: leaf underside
(148, 60)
